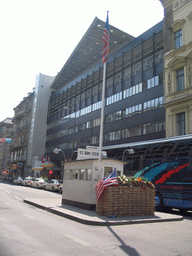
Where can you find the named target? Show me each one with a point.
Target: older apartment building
(29, 135)
(178, 66)
(6, 127)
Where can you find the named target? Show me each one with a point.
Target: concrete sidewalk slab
(91, 218)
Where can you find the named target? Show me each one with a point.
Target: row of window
(87, 174)
(127, 66)
(109, 100)
(80, 174)
(110, 118)
(135, 131)
(19, 155)
(125, 133)
(115, 135)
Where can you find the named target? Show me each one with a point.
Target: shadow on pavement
(126, 248)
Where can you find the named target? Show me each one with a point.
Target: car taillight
(58, 185)
(41, 183)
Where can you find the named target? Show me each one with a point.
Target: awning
(37, 168)
(46, 165)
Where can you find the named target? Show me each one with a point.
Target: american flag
(106, 41)
(108, 181)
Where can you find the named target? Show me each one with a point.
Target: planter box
(126, 201)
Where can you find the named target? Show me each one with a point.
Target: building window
(178, 39)
(180, 79)
(94, 140)
(113, 136)
(96, 122)
(152, 82)
(180, 119)
(131, 132)
(3, 128)
(113, 117)
(158, 126)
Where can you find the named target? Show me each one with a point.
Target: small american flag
(108, 181)
(106, 41)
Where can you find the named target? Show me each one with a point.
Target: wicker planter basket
(126, 201)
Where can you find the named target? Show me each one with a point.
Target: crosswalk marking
(28, 216)
(17, 198)
(76, 239)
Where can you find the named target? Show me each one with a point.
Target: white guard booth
(81, 177)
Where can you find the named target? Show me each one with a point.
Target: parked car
(38, 183)
(27, 181)
(52, 185)
(17, 181)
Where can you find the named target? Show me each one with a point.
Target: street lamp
(56, 151)
(130, 150)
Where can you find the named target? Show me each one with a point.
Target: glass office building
(134, 93)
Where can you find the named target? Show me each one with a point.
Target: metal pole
(101, 124)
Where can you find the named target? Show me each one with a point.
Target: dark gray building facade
(134, 92)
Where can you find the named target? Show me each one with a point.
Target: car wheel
(60, 190)
(52, 189)
(159, 202)
(37, 186)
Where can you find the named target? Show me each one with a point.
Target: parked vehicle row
(17, 181)
(53, 184)
(38, 183)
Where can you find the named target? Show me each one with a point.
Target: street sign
(89, 154)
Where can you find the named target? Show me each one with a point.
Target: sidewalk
(91, 218)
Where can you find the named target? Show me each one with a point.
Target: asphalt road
(26, 230)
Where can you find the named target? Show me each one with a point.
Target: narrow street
(26, 230)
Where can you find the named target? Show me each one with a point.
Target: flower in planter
(134, 182)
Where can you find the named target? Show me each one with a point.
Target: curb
(111, 222)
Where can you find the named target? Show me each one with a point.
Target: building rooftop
(89, 51)
(8, 120)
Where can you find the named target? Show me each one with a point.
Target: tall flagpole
(101, 124)
(104, 59)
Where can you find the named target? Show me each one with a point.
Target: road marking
(17, 198)
(28, 216)
(76, 239)
(7, 191)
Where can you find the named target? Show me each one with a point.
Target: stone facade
(178, 67)
(21, 122)
(6, 127)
